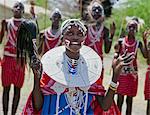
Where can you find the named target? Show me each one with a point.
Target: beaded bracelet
(113, 89)
(113, 84)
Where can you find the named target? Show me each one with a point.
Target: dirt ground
(139, 105)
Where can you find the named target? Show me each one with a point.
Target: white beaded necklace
(95, 35)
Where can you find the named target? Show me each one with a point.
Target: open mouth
(68, 43)
(75, 43)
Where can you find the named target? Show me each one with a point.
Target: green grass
(42, 3)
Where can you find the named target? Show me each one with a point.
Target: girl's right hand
(36, 66)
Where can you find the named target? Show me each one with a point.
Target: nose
(75, 37)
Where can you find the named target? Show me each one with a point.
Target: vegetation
(43, 21)
(139, 8)
(42, 3)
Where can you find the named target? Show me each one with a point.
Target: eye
(69, 33)
(80, 34)
(15, 6)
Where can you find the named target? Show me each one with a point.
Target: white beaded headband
(56, 10)
(66, 25)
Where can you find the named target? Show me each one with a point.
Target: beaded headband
(56, 10)
(135, 20)
(66, 25)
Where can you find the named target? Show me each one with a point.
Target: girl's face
(132, 29)
(56, 18)
(97, 12)
(73, 38)
(18, 10)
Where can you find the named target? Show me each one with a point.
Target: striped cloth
(128, 84)
(147, 84)
(128, 80)
(12, 73)
(51, 40)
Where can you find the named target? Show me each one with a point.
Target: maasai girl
(12, 73)
(67, 84)
(51, 36)
(147, 79)
(97, 34)
(128, 79)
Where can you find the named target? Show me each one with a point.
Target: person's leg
(5, 99)
(148, 107)
(129, 105)
(16, 99)
(120, 101)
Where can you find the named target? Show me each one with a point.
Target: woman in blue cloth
(67, 84)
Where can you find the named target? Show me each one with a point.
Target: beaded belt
(128, 69)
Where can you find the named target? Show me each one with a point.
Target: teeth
(74, 43)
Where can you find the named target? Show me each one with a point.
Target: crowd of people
(67, 64)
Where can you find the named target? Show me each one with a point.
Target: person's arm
(144, 48)
(37, 97)
(107, 100)
(108, 39)
(3, 28)
(41, 44)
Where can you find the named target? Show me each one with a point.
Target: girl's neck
(97, 26)
(72, 55)
(131, 37)
(55, 27)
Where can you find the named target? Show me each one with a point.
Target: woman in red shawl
(50, 38)
(128, 79)
(98, 35)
